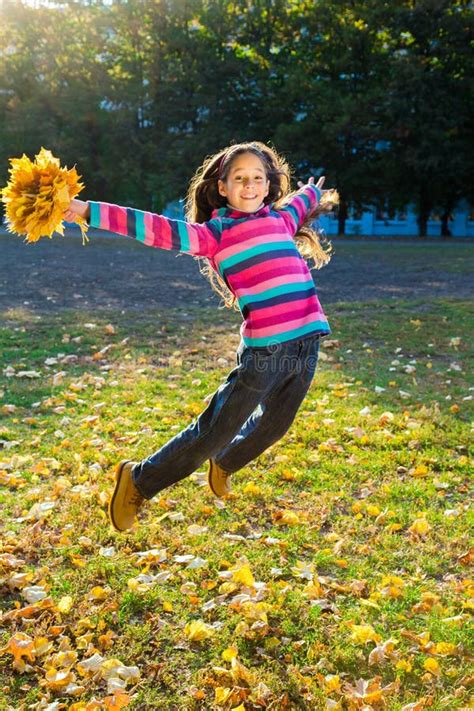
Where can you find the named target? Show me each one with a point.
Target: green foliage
(375, 94)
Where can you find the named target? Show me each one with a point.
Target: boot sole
(118, 478)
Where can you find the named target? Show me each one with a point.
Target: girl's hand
(77, 208)
(329, 198)
(319, 184)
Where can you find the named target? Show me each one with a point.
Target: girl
(243, 221)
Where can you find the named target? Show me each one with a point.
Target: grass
(354, 526)
(431, 253)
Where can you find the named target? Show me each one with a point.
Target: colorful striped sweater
(255, 253)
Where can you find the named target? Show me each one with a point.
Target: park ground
(336, 576)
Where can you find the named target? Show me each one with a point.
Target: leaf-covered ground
(336, 576)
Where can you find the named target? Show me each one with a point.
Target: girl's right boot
(126, 499)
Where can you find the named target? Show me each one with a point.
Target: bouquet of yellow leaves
(37, 195)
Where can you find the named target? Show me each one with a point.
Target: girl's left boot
(218, 480)
(126, 499)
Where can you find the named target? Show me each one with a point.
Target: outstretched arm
(296, 210)
(147, 227)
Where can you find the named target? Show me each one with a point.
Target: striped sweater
(254, 253)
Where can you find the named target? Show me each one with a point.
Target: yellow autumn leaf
(42, 646)
(227, 587)
(424, 639)
(119, 700)
(444, 648)
(432, 666)
(37, 194)
(252, 488)
(256, 611)
(57, 679)
(287, 518)
(197, 630)
(393, 580)
(20, 645)
(361, 634)
(240, 673)
(393, 527)
(222, 695)
(314, 590)
(420, 527)
(135, 585)
(332, 682)
(392, 586)
(403, 665)
(114, 668)
(229, 654)
(419, 471)
(65, 604)
(98, 593)
(243, 575)
(64, 659)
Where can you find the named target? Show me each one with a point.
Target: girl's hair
(203, 198)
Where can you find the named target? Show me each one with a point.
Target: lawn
(336, 576)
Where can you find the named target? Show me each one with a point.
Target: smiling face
(246, 184)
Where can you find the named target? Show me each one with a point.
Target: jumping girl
(246, 224)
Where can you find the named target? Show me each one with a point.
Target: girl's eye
(241, 177)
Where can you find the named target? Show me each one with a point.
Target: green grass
(456, 258)
(359, 467)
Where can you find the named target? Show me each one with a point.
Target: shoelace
(136, 499)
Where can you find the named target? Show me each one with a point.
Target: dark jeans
(249, 412)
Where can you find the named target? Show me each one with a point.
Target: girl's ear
(222, 188)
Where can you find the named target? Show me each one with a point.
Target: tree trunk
(445, 231)
(342, 217)
(424, 209)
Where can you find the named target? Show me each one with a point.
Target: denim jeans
(253, 409)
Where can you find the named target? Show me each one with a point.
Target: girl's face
(246, 184)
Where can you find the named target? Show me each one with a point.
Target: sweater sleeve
(159, 231)
(300, 206)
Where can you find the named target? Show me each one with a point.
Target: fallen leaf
(361, 634)
(197, 630)
(432, 666)
(65, 604)
(243, 575)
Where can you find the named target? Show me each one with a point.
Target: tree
(429, 105)
(334, 90)
(52, 81)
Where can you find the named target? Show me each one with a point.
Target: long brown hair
(203, 197)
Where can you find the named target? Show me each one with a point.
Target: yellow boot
(126, 499)
(218, 480)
